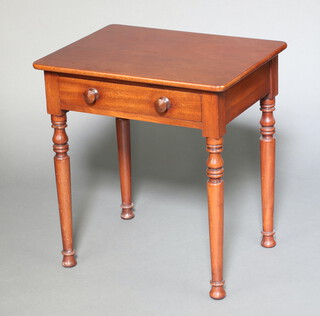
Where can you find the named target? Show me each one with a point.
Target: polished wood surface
(162, 57)
(124, 157)
(177, 78)
(185, 105)
(63, 181)
(52, 95)
(267, 156)
(247, 92)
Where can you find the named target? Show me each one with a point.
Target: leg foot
(69, 259)
(127, 211)
(217, 291)
(268, 240)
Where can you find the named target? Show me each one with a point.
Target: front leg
(267, 161)
(62, 170)
(216, 213)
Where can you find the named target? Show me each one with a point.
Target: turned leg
(267, 160)
(215, 210)
(124, 156)
(62, 170)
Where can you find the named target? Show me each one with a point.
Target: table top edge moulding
(169, 77)
(170, 56)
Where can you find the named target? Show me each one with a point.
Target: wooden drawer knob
(162, 105)
(91, 95)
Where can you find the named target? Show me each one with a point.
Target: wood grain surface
(128, 98)
(171, 58)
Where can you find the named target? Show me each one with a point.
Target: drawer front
(126, 98)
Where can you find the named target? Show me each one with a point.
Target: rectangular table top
(163, 57)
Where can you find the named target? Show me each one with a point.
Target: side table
(177, 78)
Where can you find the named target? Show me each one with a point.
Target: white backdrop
(31, 29)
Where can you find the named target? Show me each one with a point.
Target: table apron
(209, 111)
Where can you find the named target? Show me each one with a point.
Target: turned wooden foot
(215, 188)
(127, 211)
(68, 260)
(124, 157)
(217, 290)
(267, 160)
(268, 240)
(62, 171)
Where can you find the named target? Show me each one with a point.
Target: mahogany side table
(178, 78)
